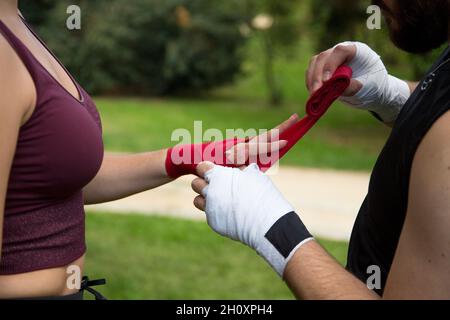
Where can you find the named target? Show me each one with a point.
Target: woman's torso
(33, 192)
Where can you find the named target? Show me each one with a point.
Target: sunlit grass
(147, 257)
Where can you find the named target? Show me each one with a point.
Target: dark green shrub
(145, 46)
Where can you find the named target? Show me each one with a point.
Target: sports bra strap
(21, 50)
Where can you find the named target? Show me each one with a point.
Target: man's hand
(245, 206)
(371, 88)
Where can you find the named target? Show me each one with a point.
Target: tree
(275, 23)
(146, 46)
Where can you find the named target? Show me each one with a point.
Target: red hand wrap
(183, 159)
(317, 105)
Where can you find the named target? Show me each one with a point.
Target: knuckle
(341, 49)
(195, 183)
(196, 203)
(322, 55)
(328, 66)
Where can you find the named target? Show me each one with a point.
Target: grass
(149, 257)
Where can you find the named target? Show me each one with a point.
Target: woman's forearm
(123, 175)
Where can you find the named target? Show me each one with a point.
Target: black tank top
(380, 220)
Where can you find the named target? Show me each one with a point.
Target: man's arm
(245, 206)
(312, 274)
(412, 85)
(420, 269)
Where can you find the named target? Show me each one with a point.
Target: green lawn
(148, 257)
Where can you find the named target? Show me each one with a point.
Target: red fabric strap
(183, 159)
(317, 105)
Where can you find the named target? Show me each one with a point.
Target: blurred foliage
(280, 35)
(171, 46)
(336, 21)
(145, 46)
(340, 20)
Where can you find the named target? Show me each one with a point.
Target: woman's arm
(121, 176)
(16, 101)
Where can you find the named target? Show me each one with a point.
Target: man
(403, 227)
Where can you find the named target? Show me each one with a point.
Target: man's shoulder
(430, 174)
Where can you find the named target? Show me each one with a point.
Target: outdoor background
(158, 65)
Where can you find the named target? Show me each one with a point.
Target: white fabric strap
(246, 206)
(381, 93)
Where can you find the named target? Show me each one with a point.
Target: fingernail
(326, 76)
(294, 116)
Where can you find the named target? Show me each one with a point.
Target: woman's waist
(44, 238)
(57, 281)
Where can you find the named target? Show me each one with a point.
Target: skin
(420, 269)
(323, 65)
(119, 176)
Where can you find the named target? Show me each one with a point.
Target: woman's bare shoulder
(17, 91)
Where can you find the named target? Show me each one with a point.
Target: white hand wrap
(246, 206)
(381, 93)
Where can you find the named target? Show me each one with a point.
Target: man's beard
(418, 26)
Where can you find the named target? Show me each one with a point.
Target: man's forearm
(124, 175)
(412, 85)
(312, 274)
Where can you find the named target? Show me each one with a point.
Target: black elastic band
(288, 232)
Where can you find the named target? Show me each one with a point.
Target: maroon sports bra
(59, 151)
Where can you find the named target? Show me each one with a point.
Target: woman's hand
(260, 147)
(263, 150)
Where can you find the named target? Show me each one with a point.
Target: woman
(52, 163)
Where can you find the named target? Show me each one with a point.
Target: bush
(145, 46)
